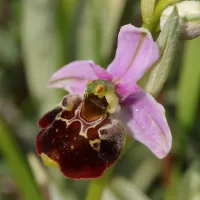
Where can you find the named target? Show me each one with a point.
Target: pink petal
(124, 89)
(101, 73)
(147, 123)
(75, 76)
(136, 52)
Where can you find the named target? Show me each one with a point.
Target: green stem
(19, 166)
(96, 187)
(174, 181)
(160, 6)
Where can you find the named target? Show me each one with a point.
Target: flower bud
(189, 13)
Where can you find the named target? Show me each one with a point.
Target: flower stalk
(159, 8)
(96, 187)
(147, 10)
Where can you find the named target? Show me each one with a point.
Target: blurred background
(39, 36)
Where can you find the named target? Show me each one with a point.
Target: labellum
(80, 136)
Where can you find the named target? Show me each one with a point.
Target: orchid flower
(86, 132)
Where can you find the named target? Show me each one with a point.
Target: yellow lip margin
(48, 161)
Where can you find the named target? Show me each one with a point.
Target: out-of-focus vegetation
(39, 36)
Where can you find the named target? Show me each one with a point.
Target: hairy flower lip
(81, 149)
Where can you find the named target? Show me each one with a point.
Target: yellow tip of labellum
(48, 161)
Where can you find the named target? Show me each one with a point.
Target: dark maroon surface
(60, 140)
(81, 161)
(49, 117)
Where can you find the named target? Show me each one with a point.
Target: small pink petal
(124, 89)
(136, 52)
(75, 76)
(147, 123)
(101, 73)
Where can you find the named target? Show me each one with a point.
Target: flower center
(102, 94)
(94, 107)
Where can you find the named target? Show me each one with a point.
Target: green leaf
(69, 15)
(41, 48)
(189, 188)
(89, 36)
(189, 84)
(146, 173)
(147, 9)
(8, 48)
(155, 79)
(108, 194)
(126, 190)
(84, 42)
(18, 164)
